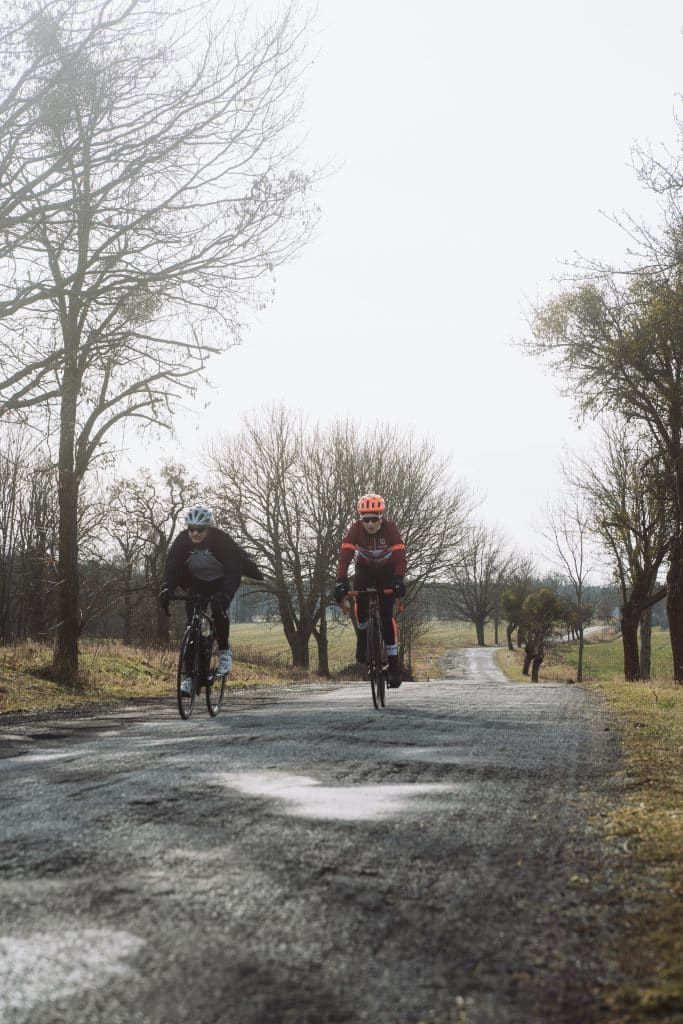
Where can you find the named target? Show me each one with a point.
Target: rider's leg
(361, 580)
(221, 625)
(390, 638)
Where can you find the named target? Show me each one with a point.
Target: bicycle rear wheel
(215, 684)
(188, 665)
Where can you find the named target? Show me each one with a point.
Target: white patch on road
(47, 966)
(306, 798)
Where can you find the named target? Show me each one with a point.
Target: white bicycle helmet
(198, 515)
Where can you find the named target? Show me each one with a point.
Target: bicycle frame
(376, 660)
(196, 657)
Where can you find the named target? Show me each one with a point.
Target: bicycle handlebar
(370, 590)
(191, 598)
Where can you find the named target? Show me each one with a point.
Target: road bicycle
(199, 658)
(376, 661)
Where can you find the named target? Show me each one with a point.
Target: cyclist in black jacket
(207, 561)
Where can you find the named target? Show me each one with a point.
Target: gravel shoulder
(304, 858)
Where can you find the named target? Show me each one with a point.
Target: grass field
(603, 659)
(265, 640)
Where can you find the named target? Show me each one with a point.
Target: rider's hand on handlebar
(341, 590)
(165, 599)
(399, 586)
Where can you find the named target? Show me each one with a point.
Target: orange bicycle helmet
(371, 504)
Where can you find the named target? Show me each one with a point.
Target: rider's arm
(175, 561)
(346, 552)
(397, 548)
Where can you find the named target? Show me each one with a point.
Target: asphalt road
(305, 859)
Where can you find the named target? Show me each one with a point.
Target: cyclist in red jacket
(380, 555)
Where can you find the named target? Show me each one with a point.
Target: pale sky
(477, 144)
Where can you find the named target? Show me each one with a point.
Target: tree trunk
(646, 643)
(321, 640)
(536, 664)
(128, 604)
(298, 635)
(509, 630)
(579, 668)
(674, 608)
(496, 625)
(629, 639)
(65, 656)
(479, 626)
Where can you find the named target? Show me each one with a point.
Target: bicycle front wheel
(215, 684)
(382, 686)
(188, 668)
(374, 666)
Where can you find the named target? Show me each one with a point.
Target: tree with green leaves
(543, 614)
(619, 346)
(512, 599)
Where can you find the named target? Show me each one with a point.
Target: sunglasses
(371, 519)
(196, 529)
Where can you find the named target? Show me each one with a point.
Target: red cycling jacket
(382, 550)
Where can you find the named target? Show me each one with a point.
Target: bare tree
(568, 532)
(148, 186)
(631, 513)
(432, 509)
(293, 489)
(269, 507)
(145, 512)
(27, 538)
(479, 572)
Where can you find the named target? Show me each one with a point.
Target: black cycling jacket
(236, 563)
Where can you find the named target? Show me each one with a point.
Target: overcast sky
(477, 145)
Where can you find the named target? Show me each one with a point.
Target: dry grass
(109, 670)
(647, 822)
(650, 821)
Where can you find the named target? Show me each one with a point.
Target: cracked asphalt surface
(305, 859)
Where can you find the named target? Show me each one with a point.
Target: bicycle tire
(374, 667)
(380, 661)
(382, 687)
(215, 684)
(186, 700)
